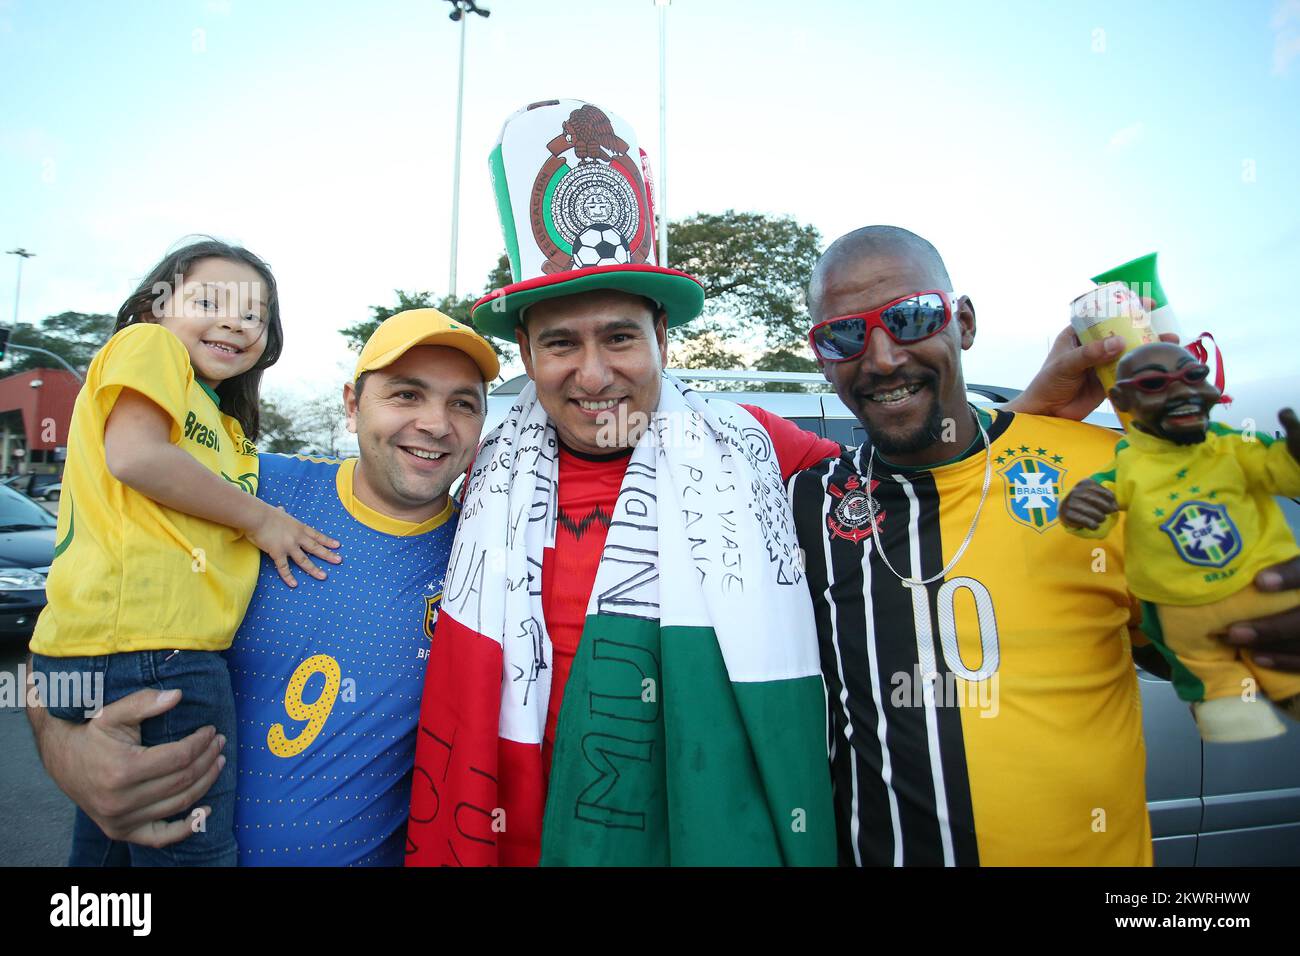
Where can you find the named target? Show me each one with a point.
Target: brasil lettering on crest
(1032, 484)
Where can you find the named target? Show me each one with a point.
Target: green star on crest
(1160, 512)
(1057, 459)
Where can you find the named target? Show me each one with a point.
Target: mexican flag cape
(693, 726)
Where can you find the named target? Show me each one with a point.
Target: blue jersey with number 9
(328, 676)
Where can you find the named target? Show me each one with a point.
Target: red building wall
(53, 400)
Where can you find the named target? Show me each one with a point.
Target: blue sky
(1034, 143)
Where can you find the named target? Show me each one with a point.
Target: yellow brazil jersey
(991, 716)
(1201, 516)
(128, 573)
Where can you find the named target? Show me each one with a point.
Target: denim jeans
(206, 698)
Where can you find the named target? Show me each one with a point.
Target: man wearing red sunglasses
(984, 705)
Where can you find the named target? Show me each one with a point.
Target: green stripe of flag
(546, 210)
(661, 759)
(500, 186)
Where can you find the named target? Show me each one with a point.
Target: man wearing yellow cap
(327, 677)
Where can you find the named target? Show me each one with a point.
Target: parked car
(1210, 804)
(34, 485)
(26, 552)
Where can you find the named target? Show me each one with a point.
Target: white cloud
(1285, 49)
(1286, 42)
(1287, 10)
(1126, 137)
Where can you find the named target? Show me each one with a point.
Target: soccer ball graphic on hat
(599, 245)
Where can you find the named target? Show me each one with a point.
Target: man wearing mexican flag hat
(625, 666)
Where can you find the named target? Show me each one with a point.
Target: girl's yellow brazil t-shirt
(130, 574)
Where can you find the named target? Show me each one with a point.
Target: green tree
(282, 433)
(500, 276)
(73, 336)
(312, 426)
(754, 269)
(325, 424)
(455, 307)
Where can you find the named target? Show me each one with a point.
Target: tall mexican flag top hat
(573, 192)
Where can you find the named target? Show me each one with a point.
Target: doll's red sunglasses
(1159, 381)
(907, 320)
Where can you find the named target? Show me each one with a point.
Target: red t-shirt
(588, 490)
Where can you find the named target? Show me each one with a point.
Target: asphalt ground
(35, 816)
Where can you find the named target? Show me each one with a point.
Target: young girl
(159, 524)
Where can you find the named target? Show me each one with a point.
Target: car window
(846, 431)
(20, 511)
(813, 425)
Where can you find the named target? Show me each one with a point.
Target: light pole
(663, 131)
(58, 358)
(22, 254)
(461, 7)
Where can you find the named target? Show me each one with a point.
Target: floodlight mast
(662, 199)
(22, 255)
(459, 9)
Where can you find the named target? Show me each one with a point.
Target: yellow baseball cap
(405, 330)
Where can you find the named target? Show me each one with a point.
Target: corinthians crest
(856, 511)
(589, 205)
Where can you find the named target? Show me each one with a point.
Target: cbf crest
(1203, 534)
(432, 603)
(1032, 485)
(589, 205)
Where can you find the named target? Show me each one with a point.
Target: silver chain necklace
(912, 582)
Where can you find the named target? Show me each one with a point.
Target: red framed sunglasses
(1159, 381)
(907, 320)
